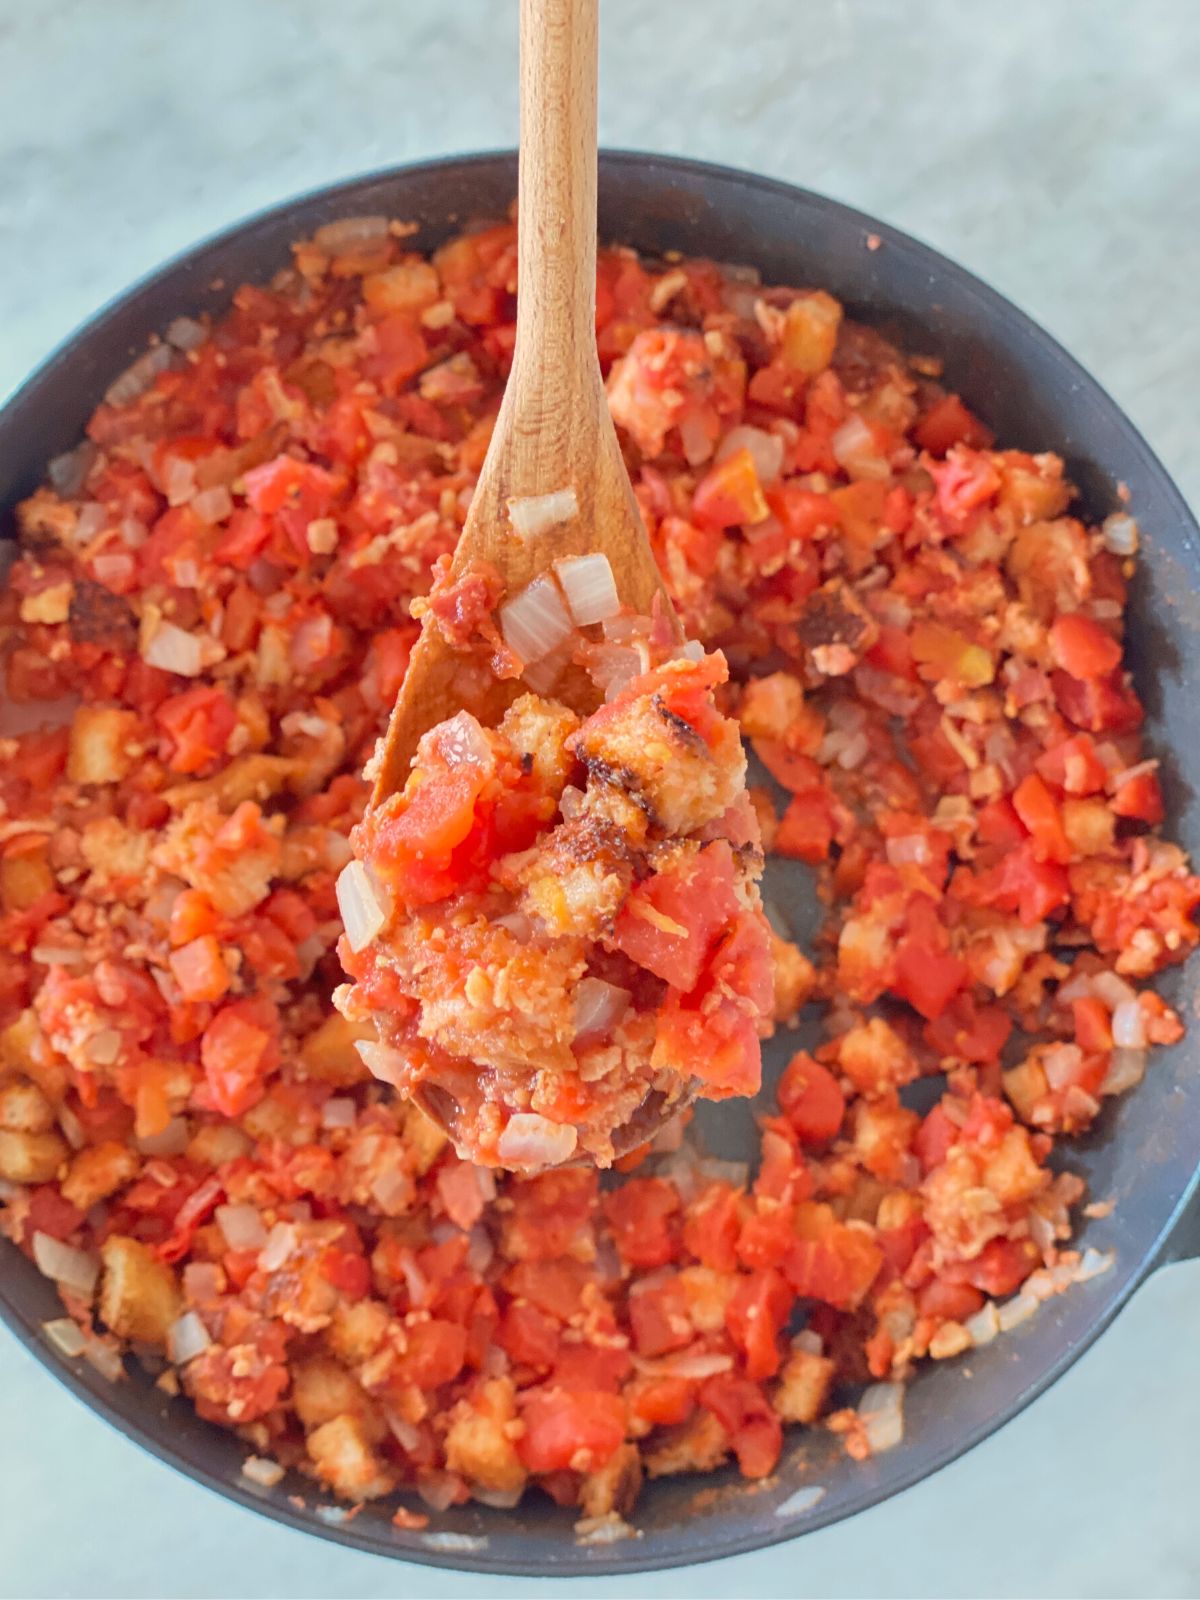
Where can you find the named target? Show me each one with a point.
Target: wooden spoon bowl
(553, 432)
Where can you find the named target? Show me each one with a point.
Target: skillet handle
(1183, 1241)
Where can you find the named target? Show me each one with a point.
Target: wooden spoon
(554, 430)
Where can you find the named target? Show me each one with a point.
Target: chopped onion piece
(72, 1128)
(262, 1472)
(105, 1359)
(590, 588)
(381, 1061)
(187, 1338)
(350, 233)
(597, 1006)
(172, 1141)
(73, 1269)
(810, 1342)
(1126, 1069)
(693, 1365)
(1016, 1311)
(392, 1189)
(882, 1411)
(213, 505)
(854, 448)
(68, 472)
(803, 1500)
(535, 621)
(1093, 1263)
(480, 1249)
(462, 742)
(690, 650)
(408, 1436)
(363, 902)
(242, 1227)
(499, 1499)
(437, 1489)
(535, 513)
(1112, 990)
(530, 1140)
(1120, 534)
(766, 450)
(339, 1112)
(281, 1241)
(174, 651)
(185, 333)
(984, 1325)
(1129, 1026)
(66, 1336)
(136, 379)
(696, 440)
(1062, 1064)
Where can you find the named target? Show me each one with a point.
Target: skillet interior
(1147, 1149)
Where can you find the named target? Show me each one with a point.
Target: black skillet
(1147, 1149)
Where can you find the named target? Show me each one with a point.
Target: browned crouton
(31, 1157)
(99, 1171)
(804, 1386)
(479, 1443)
(102, 746)
(343, 1456)
(139, 1297)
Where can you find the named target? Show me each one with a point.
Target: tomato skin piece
(969, 1031)
(580, 1429)
(948, 422)
(730, 493)
(934, 1138)
(1098, 705)
(238, 1050)
(1039, 813)
(1082, 647)
(711, 1228)
(811, 1099)
(699, 903)
(663, 1401)
(754, 1429)
(806, 829)
(1093, 1025)
(755, 1315)
(529, 1336)
(658, 1318)
(642, 1217)
(1140, 799)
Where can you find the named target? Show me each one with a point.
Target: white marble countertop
(1050, 147)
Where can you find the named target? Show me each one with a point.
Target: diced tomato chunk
(811, 1099)
(579, 1429)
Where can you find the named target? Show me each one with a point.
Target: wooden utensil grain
(554, 430)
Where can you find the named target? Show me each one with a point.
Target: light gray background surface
(1051, 145)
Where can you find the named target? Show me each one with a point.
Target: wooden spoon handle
(555, 352)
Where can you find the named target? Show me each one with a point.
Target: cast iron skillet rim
(624, 1558)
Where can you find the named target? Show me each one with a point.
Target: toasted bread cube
(697, 1445)
(328, 1052)
(479, 1443)
(342, 1454)
(615, 1487)
(99, 1171)
(102, 744)
(25, 876)
(323, 1390)
(804, 1386)
(423, 1137)
(24, 1108)
(139, 1297)
(31, 1157)
(357, 1330)
(23, 1049)
(539, 729)
(217, 1142)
